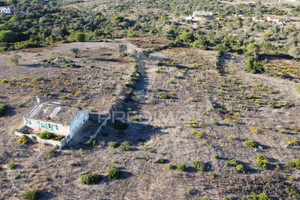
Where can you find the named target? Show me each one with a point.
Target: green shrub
(160, 161)
(5, 80)
(113, 173)
(262, 162)
(90, 179)
(298, 89)
(250, 143)
(239, 168)
(11, 166)
(199, 165)
(135, 119)
(113, 144)
(187, 37)
(93, 142)
(50, 153)
(46, 135)
(253, 66)
(215, 156)
(261, 196)
(34, 80)
(216, 123)
(3, 108)
(232, 162)
(206, 198)
(164, 95)
(120, 125)
(80, 37)
(8, 36)
(181, 167)
(32, 194)
(170, 166)
(23, 139)
(125, 146)
(295, 163)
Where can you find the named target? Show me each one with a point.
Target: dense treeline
(231, 28)
(36, 24)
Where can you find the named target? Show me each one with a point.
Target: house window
(49, 125)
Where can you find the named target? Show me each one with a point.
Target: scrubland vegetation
(206, 109)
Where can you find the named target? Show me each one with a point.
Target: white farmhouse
(56, 118)
(5, 9)
(198, 15)
(276, 20)
(202, 13)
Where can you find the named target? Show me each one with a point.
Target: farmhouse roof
(51, 112)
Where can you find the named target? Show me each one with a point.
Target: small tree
(75, 51)
(80, 37)
(253, 66)
(8, 36)
(14, 59)
(252, 50)
(295, 52)
(121, 49)
(187, 37)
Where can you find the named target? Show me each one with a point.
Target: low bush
(164, 95)
(50, 153)
(125, 146)
(160, 161)
(292, 142)
(113, 144)
(90, 179)
(11, 166)
(93, 142)
(181, 167)
(215, 156)
(46, 135)
(5, 80)
(23, 139)
(262, 162)
(120, 125)
(298, 89)
(199, 165)
(113, 173)
(135, 119)
(32, 194)
(250, 143)
(261, 196)
(170, 166)
(239, 168)
(3, 108)
(216, 123)
(232, 162)
(295, 163)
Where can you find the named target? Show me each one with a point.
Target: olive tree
(14, 59)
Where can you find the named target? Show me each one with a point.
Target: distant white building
(5, 9)
(276, 20)
(189, 18)
(202, 13)
(198, 14)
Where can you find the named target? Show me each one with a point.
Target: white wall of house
(78, 121)
(5, 10)
(41, 126)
